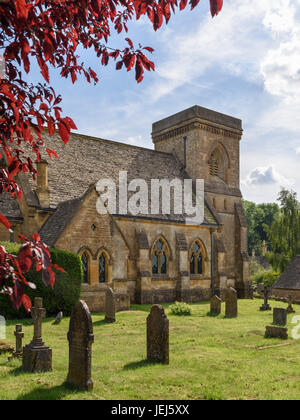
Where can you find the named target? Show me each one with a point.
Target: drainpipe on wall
(12, 234)
(184, 151)
(212, 262)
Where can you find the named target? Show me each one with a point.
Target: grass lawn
(210, 358)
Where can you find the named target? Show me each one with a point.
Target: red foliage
(50, 31)
(13, 268)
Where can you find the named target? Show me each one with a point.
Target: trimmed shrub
(180, 308)
(267, 277)
(63, 296)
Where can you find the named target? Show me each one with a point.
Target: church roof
(9, 207)
(290, 278)
(83, 161)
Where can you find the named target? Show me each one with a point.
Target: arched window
(159, 257)
(214, 164)
(196, 258)
(102, 268)
(219, 163)
(85, 267)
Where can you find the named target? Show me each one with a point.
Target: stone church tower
(207, 144)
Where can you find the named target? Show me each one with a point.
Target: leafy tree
(259, 217)
(50, 32)
(284, 233)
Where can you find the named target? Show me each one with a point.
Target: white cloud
(266, 176)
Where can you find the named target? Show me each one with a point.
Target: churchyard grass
(210, 358)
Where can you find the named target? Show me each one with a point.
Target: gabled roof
(9, 206)
(59, 220)
(290, 278)
(85, 160)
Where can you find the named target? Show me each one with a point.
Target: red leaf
(183, 4)
(63, 132)
(119, 65)
(25, 258)
(51, 153)
(26, 302)
(22, 9)
(129, 42)
(4, 221)
(215, 6)
(51, 127)
(58, 268)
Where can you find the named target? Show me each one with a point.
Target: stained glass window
(159, 257)
(196, 258)
(85, 267)
(102, 268)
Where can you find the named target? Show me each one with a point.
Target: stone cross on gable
(38, 313)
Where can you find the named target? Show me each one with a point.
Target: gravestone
(267, 293)
(19, 337)
(215, 305)
(290, 309)
(231, 310)
(158, 335)
(36, 356)
(58, 318)
(279, 316)
(81, 338)
(274, 331)
(110, 305)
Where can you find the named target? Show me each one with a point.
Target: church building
(146, 258)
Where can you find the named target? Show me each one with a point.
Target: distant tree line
(278, 225)
(259, 218)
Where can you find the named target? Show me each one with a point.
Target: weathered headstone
(274, 331)
(231, 310)
(279, 316)
(266, 292)
(215, 305)
(110, 305)
(58, 318)
(290, 301)
(158, 335)
(19, 337)
(36, 356)
(81, 338)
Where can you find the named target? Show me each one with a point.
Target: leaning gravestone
(36, 356)
(279, 316)
(231, 310)
(110, 305)
(58, 318)
(158, 335)
(215, 305)
(81, 338)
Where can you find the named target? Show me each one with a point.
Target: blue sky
(245, 62)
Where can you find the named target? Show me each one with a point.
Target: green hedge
(63, 296)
